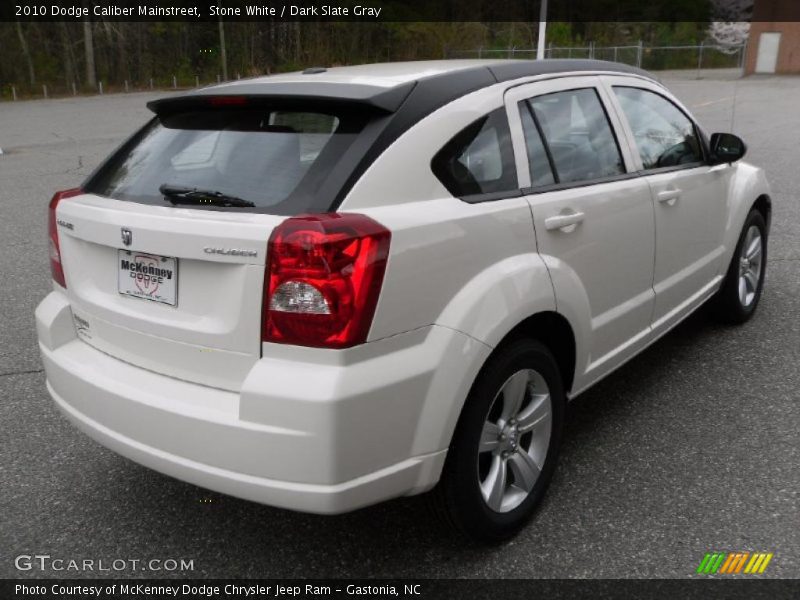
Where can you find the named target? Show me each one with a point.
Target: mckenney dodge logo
(145, 270)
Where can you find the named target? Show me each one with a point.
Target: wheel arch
(763, 204)
(554, 331)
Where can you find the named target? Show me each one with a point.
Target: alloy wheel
(515, 440)
(750, 264)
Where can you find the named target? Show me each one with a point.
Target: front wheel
(505, 445)
(738, 297)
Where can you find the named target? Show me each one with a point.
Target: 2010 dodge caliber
(322, 290)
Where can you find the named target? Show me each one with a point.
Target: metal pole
(223, 51)
(542, 30)
(174, 82)
(196, 81)
(44, 89)
(699, 59)
(126, 86)
(742, 58)
(615, 53)
(74, 90)
(13, 93)
(639, 55)
(100, 87)
(151, 83)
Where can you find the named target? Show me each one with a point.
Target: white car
(322, 290)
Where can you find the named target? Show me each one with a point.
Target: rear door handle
(669, 196)
(563, 221)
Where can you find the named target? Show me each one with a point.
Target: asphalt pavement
(691, 447)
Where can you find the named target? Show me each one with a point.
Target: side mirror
(726, 148)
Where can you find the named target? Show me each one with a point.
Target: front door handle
(669, 196)
(563, 222)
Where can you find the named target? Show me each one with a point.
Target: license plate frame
(147, 276)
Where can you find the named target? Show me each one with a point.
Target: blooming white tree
(732, 28)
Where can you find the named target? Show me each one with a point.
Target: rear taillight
(56, 268)
(324, 275)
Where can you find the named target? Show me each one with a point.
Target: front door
(689, 198)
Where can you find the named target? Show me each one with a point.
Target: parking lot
(693, 446)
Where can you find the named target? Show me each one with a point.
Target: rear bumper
(310, 430)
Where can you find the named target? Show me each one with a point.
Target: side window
(578, 135)
(538, 161)
(479, 159)
(665, 137)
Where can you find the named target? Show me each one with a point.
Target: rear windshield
(276, 159)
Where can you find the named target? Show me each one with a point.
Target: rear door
(593, 217)
(173, 282)
(688, 194)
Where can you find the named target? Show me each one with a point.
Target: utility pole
(222, 51)
(542, 29)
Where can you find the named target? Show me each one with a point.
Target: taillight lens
(324, 275)
(56, 268)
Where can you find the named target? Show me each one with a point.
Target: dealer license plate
(148, 276)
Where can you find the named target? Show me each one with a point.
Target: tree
(88, 45)
(732, 30)
(27, 53)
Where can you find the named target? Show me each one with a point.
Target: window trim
(490, 196)
(557, 187)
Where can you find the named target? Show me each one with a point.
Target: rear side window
(578, 135)
(665, 137)
(275, 159)
(479, 159)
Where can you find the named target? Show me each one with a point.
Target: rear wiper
(186, 195)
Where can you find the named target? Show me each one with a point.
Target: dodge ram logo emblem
(127, 236)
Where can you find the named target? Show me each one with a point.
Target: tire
(527, 367)
(731, 304)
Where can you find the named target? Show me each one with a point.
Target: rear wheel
(738, 297)
(505, 446)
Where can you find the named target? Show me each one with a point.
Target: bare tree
(67, 56)
(88, 44)
(27, 53)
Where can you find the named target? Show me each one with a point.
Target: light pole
(222, 50)
(542, 28)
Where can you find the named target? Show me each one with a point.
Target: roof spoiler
(289, 94)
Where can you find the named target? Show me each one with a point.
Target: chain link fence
(698, 60)
(700, 57)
